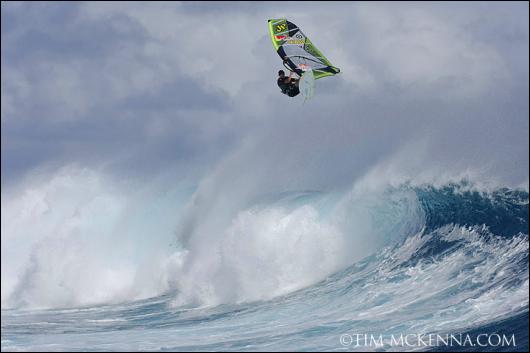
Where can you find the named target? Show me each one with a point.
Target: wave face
(296, 271)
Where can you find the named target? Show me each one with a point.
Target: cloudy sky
(137, 88)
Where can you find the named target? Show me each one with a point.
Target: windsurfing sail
(296, 50)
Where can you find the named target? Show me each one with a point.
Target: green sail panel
(297, 51)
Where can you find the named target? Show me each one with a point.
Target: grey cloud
(136, 111)
(120, 129)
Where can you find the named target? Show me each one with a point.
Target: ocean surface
(316, 271)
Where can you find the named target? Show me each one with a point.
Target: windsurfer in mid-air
(288, 85)
(300, 56)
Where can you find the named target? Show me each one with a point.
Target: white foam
(263, 254)
(79, 239)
